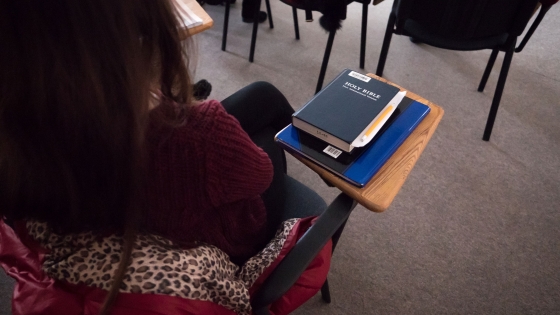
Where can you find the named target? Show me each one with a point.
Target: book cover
(358, 166)
(342, 111)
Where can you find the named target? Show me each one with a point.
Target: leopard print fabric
(257, 264)
(157, 265)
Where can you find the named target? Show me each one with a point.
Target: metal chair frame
(330, 39)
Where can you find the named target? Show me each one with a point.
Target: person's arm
(237, 169)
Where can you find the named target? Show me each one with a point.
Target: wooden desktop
(207, 21)
(379, 193)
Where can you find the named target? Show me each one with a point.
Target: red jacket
(38, 290)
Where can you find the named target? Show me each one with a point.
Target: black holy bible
(350, 109)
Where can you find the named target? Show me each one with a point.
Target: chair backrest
(465, 20)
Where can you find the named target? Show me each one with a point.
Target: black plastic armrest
(531, 30)
(306, 249)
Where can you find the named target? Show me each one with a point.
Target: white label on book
(332, 151)
(359, 76)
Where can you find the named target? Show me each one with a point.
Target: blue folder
(359, 166)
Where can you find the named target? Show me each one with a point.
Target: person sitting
(100, 135)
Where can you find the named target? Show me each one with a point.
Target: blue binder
(359, 166)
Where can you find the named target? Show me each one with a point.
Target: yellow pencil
(387, 110)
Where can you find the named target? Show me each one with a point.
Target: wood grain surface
(207, 21)
(381, 190)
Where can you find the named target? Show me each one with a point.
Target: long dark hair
(75, 80)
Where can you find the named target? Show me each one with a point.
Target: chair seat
(418, 31)
(301, 201)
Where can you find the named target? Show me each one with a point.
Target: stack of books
(352, 126)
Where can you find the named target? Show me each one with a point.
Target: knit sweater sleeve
(236, 168)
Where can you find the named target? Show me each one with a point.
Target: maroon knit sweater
(205, 182)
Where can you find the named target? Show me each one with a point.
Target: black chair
(299, 201)
(255, 25)
(334, 11)
(465, 25)
(329, 225)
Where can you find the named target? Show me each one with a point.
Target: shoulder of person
(210, 115)
(207, 109)
(195, 126)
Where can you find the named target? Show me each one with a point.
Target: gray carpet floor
(476, 227)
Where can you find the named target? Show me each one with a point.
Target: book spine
(297, 152)
(321, 134)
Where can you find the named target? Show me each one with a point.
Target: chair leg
(488, 69)
(499, 89)
(325, 61)
(531, 30)
(269, 12)
(386, 44)
(255, 29)
(364, 35)
(296, 24)
(226, 21)
(325, 292)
